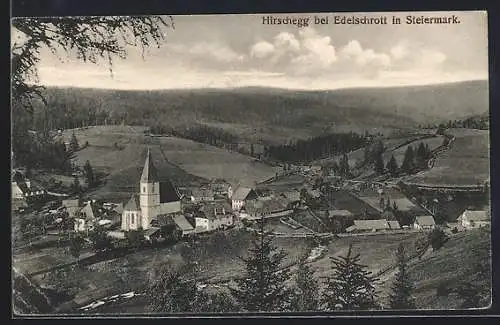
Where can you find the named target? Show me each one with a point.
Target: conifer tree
(263, 286)
(89, 174)
(379, 163)
(392, 166)
(73, 144)
(408, 160)
(305, 296)
(351, 286)
(401, 296)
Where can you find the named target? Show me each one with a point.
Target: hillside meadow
(182, 161)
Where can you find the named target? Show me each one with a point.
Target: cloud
(215, 51)
(364, 57)
(411, 56)
(262, 49)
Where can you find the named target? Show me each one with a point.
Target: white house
(424, 223)
(240, 196)
(474, 219)
(86, 217)
(155, 198)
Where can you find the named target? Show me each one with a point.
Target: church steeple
(149, 174)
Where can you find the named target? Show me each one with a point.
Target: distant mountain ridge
(397, 107)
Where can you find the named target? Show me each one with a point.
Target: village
(316, 205)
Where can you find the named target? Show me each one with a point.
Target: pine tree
(421, 155)
(76, 185)
(73, 144)
(401, 297)
(351, 287)
(379, 163)
(392, 166)
(89, 174)
(263, 286)
(408, 160)
(305, 295)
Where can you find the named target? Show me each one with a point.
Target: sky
(225, 51)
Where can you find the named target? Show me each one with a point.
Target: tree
(379, 163)
(305, 295)
(351, 287)
(75, 247)
(89, 174)
(392, 166)
(169, 291)
(73, 144)
(263, 286)
(135, 238)
(100, 240)
(344, 165)
(408, 160)
(437, 238)
(76, 185)
(401, 296)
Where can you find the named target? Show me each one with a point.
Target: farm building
(339, 214)
(72, 207)
(22, 188)
(268, 208)
(240, 196)
(213, 216)
(86, 217)
(424, 223)
(474, 219)
(394, 225)
(202, 195)
(155, 198)
(369, 226)
(183, 224)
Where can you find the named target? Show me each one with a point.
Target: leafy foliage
(437, 238)
(100, 240)
(351, 286)
(76, 246)
(135, 238)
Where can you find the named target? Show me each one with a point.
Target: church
(155, 198)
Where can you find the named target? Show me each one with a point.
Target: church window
(133, 218)
(144, 189)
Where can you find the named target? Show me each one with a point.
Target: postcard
(250, 163)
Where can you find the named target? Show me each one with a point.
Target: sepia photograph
(250, 163)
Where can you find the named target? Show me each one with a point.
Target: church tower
(149, 192)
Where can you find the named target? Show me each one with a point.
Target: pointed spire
(149, 174)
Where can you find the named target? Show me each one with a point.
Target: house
(182, 224)
(202, 195)
(394, 225)
(22, 188)
(72, 207)
(474, 219)
(87, 216)
(339, 214)
(155, 198)
(292, 197)
(424, 223)
(267, 208)
(369, 226)
(240, 196)
(19, 204)
(213, 216)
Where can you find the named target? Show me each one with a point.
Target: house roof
(151, 231)
(371, 224)
(265, 206)
(89, 210)
(202, 192)
(133, 204)
(425, 220)
(118, 208)
(149, 173)
(182, 222)
(475, 215)
(394, 224)
(241, 193)
(71, 203)
(339, 213)
(293, 195)
(168, 192)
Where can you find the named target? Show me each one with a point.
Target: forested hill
(401, 107)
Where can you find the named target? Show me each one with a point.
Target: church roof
(149, 174)
(168, 193)
(133, 204)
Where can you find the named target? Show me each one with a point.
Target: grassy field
(467, 162)
(182, 161)
(399, 153)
